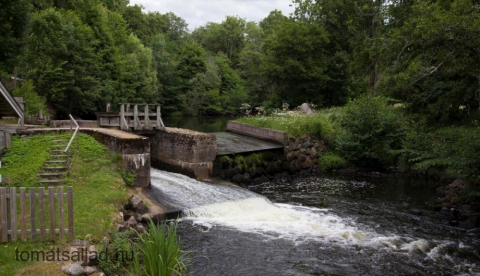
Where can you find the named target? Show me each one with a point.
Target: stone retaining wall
(299, 157)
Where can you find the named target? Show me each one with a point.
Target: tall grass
(160, 249)
(318, 125)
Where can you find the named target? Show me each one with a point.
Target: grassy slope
(97, 186)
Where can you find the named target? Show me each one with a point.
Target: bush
(371, 130)
(121, 252)
(330, 162)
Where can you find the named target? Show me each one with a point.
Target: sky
(198, 12)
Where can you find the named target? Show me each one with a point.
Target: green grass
(98, 190)
(319, 125)
(24, 158)
(161, 252)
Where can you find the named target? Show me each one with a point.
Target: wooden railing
(13, 224)
(129, 119)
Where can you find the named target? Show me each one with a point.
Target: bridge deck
(232, 143)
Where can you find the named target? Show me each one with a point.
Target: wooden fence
(11, 220)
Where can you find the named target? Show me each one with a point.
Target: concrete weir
(184, 151)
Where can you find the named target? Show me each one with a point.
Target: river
(322, 225)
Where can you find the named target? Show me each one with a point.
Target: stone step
(55, 168)
(59, 146)
(56, 151)
(51, 181)
(50, 175)
(59, 156)
(55, 161)
(60, 140)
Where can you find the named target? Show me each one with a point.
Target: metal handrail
(74, 134)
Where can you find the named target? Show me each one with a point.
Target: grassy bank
(97, 186)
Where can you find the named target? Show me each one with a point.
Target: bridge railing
(139, 116)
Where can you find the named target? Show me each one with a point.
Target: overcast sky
(199, 12)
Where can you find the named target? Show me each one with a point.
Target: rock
(303, 150)
(415, 212)
(73, 269)
(291, 156)
(247, 179)
(305, 108)
(131, 222)
(137, 204)
(307, 163)
(105, 240)
(237, 178)
(146, 217)
(313, 153)
(80, 243)
(141, 229)
(286, 149)
(7, 180)
(471, 223)
(128, 214)
(91, 269)
(92, 248)
(307, 144)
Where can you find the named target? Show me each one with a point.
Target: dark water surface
(326, 226)
(202, 124)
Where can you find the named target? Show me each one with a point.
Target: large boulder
(73, 269)
(305, 108)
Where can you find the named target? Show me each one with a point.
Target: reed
(160, 250)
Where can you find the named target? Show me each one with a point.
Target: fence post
(23, 222)
(71, 229)
(33, 227)
(51, 202)
(3, 206)
(13, 212)
(41, 199)
(61, 215)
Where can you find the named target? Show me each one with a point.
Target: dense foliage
(81, 55)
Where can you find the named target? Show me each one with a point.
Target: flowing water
(316, 226)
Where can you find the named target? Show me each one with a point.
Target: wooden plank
(3, 207)
(23, 220)
(61, 214)
(71, 230)
(147, 124)
(13, 213)
(136, 121)
(51, 202)
(33, 226)
(41, 193)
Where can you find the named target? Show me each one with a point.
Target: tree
(435, 53)
(14, 16)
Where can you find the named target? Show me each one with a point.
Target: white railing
(74, 134)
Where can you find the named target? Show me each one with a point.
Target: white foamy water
(213, 205)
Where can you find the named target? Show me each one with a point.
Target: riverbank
(371, 137)
(98, 187)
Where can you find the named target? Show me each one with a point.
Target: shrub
(330, 161)
(371, 130)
